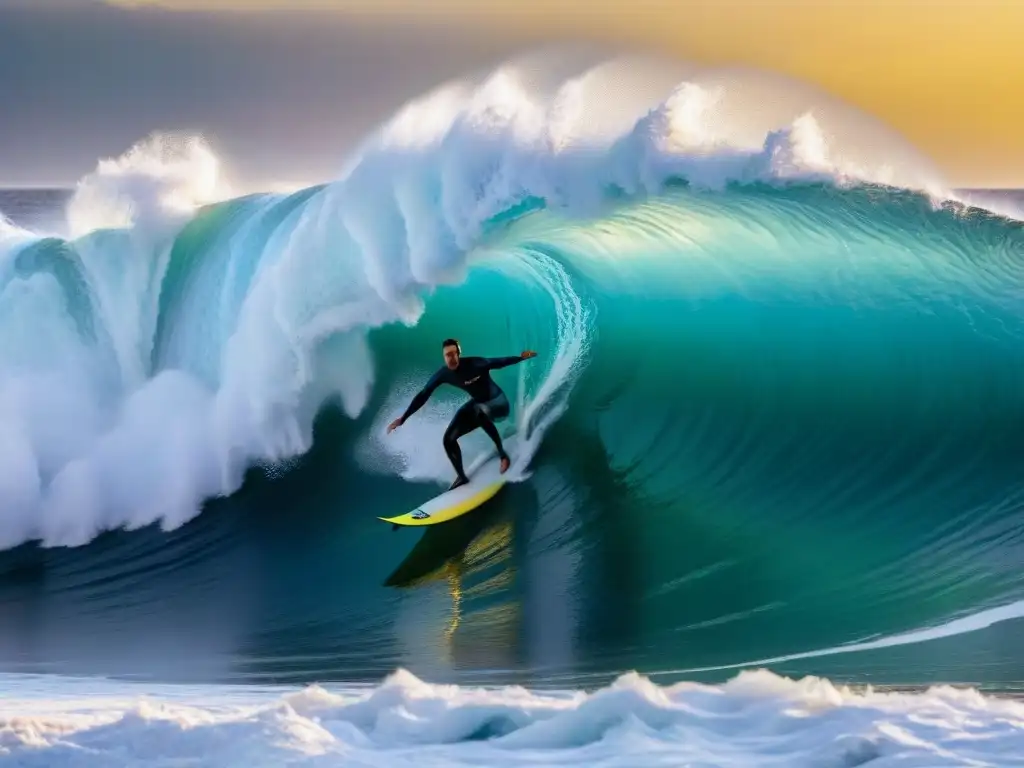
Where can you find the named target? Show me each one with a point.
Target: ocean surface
(767, 503)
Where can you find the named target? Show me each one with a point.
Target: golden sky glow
(948, 75)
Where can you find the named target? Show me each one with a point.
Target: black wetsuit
(488, 403)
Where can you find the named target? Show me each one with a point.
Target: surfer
(488, 402)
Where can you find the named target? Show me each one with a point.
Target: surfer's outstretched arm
(493, 363)
(422, 396)
(419, 400)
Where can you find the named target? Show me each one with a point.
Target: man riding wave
(487, 405)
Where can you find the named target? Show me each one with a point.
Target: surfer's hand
(394, 425)
(526, 355)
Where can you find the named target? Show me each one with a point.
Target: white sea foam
(162, 178)
(755, 719)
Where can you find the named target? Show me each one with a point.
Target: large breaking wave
(774, 349)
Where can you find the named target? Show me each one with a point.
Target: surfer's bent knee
(451, 434)
(495, 409)
(462, 422)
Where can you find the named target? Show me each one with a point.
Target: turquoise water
(765, 421)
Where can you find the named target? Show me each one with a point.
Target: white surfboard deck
(485, 480)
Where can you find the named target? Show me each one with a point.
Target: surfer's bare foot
(504, 464)
(458, 481)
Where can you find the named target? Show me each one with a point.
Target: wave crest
(163, 178)
(194, 344)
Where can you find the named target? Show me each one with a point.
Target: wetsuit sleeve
(424, 394)
(492, 363)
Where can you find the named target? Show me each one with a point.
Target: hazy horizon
(284, 97)
(279, 99)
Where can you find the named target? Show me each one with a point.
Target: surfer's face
(451, 356)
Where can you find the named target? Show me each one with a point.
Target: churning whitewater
(757, 719)
(777, 414)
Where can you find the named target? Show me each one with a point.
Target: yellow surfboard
(484, 482)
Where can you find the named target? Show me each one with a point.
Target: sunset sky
(948, 75)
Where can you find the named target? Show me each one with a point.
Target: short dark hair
(452, 343)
